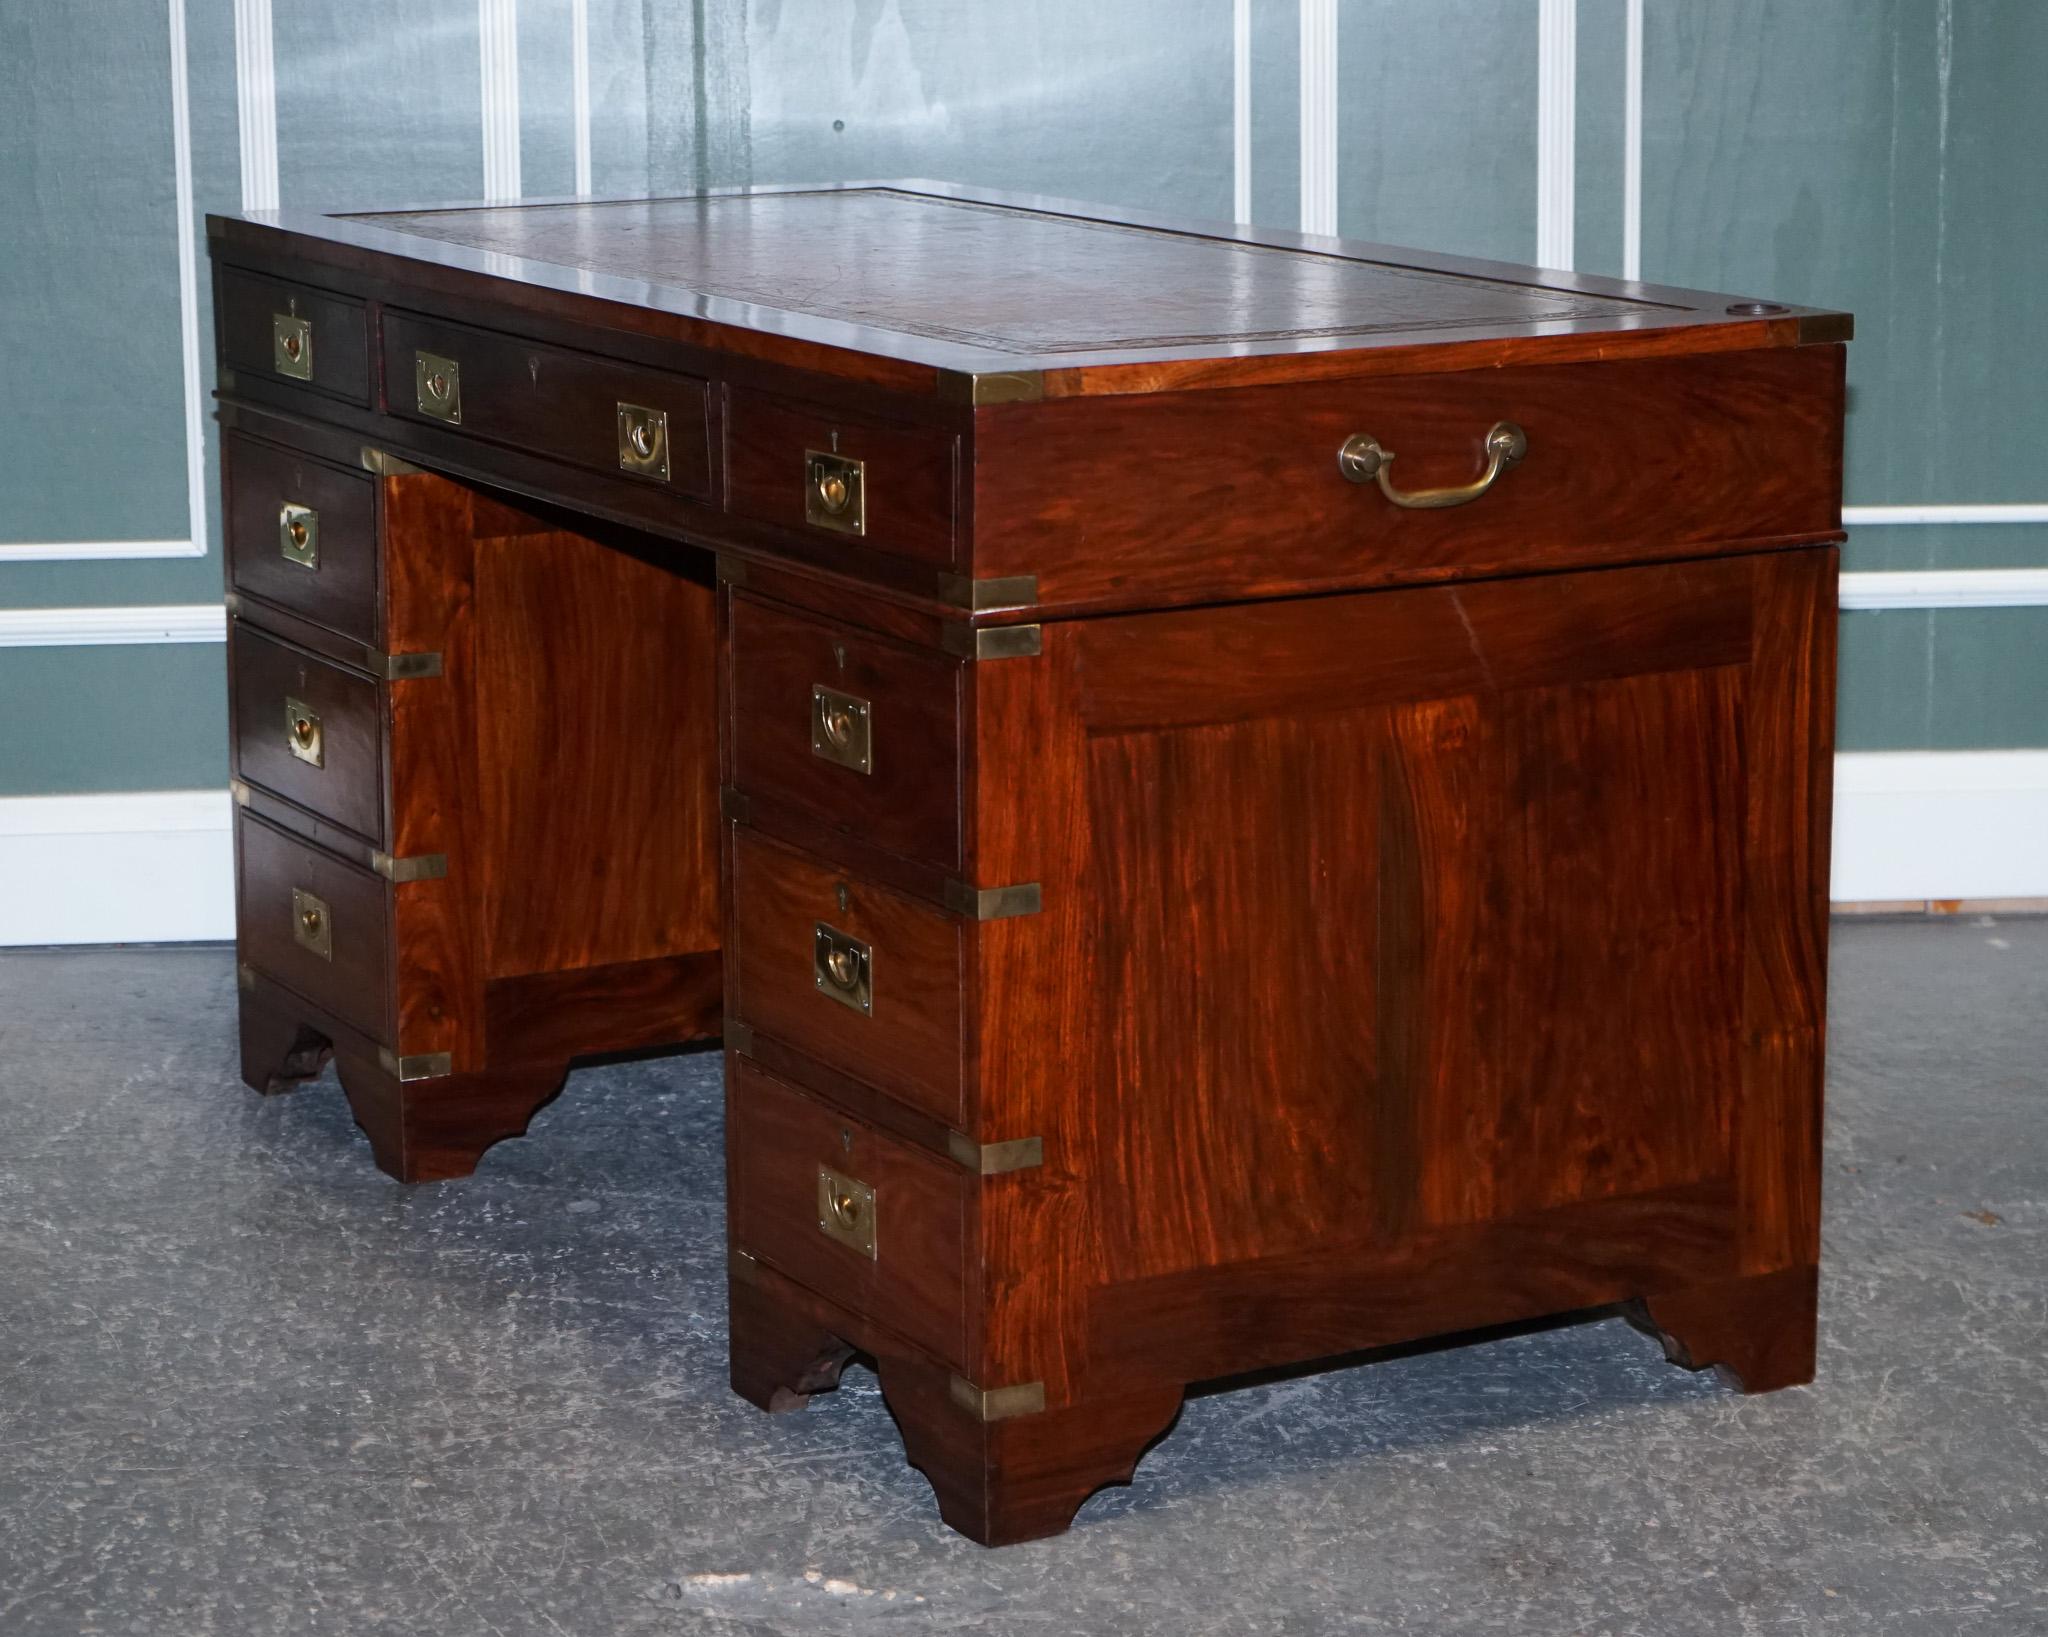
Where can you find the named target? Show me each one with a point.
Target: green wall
(1873, 154)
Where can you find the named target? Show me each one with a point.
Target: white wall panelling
(194, 543)
(256, 103)
(1241, 110)
(94, 627)
(579, 86)
(1557, 119)
(1319, 116)
(1940, 824)
(498, 53)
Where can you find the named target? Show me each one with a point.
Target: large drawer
(314, 923)
(892, 488)
(1239, 493)
(650, 425)
(878, 1226)
(853, 730)
(859, 977)
(309, 731)
(294, 334)
(303, 534)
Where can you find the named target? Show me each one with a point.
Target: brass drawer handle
(437, 382)
(298, 535)
(312, 924)
(843, 968)
(835, 492)
(840, 729)
(643, 440)
(291, 346)
(846, 1211)
(1361, 459)
(302, 732)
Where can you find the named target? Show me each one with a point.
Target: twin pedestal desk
(1234, 798)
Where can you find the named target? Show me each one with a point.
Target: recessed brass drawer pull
(840, 729)
(291, 346)
(835, 492)
(312, 924)
(844, 968)
(437, 381)
(302, 732)
(846, 1211)
(643, 440)
(1362, 460)
(298, 535)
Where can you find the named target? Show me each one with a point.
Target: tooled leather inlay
(996, 277)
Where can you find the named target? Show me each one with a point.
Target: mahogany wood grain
(915, 1282)
(910, 1043)
(341, 590)
(436, 1130)
(909, 475)
(551, 400)
(347, 784)
(629, 1006)
(246, 304)
(909, 801)
(1238, 494)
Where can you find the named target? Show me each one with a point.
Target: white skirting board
(153, 867)
(157, 867)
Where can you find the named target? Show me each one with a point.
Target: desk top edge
(1570, 316)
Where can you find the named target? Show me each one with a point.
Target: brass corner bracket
(980, 596)
(426, 867)
(405, 667)
(739, 1036)
(1003, 386)
(992, 641)
(385, 464)
(995, 1159)
(427, 1066)
(997, 1403)
(994, 903)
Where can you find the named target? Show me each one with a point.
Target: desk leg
(779, 1356)
(278, 1050)
(436, 1130)
(1760, 1329)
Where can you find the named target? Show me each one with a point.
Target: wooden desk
(1196, 892)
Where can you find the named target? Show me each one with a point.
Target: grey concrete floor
(247, 1385)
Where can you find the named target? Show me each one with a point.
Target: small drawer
(316, 924)
(303, 534)
(831, 477)
(652, 426)
(852, 729)
(874, 1224)
(276, 331)
(862, 978)
(309, 731)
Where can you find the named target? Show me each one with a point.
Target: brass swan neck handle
(1362, 459)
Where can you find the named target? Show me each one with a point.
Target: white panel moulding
(1319, 116)
(96, 627)
(194, 543)
(1240, 109)
(1557, 81)
(498, 53)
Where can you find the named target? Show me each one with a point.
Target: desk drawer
(1239, 493)
(570, 406)
(309, 731)
(292, 333)
(303, 534)
(785, 462)
(874, 1224)
(317, 925)
(862, 978)
(852, 729)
